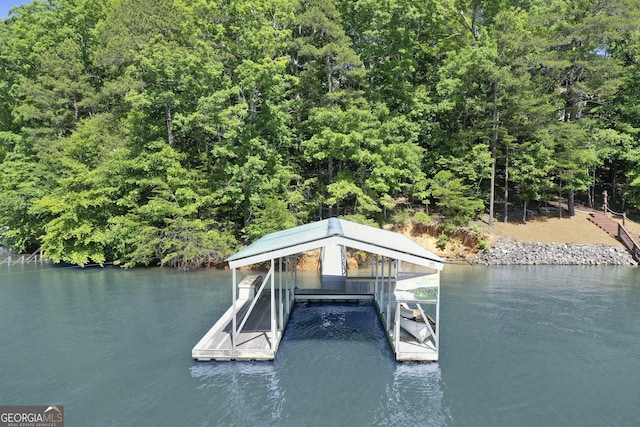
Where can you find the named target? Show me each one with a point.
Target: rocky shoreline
(514, 252)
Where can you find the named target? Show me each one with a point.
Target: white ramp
(334, 267)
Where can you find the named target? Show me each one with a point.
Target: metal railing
(13, 259)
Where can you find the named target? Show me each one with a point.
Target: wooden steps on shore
(616, 230)
(605, 223)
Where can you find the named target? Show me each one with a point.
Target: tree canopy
(172, 132)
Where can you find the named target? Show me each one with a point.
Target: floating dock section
(408, 303)
(251, 329)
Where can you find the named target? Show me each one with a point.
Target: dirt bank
(541, 229)
(549, 229)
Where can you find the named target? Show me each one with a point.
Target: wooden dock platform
(254, 324)
(259, 321)
(255, 342)
(412, 351)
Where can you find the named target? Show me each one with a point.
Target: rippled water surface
(525, 346)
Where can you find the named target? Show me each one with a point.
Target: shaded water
(524, 346)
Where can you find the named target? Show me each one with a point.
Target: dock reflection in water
(421, 381)
(239, 386)
(335, 367)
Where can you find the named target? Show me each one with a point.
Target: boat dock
(407, 303)
(253, 342)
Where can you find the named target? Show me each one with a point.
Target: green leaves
(169, 217)
(171, 131)
(367, 156)
(454, 198)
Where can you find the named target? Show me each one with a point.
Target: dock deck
(253, 342)
(254, 325)
(410, 350)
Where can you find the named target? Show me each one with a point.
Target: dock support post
(280, 305)
(234, 331)
(375, 282)
(287, 299)
(389, 297)
(396, 329)
(273, 306)
(436, 339)
(382, 287)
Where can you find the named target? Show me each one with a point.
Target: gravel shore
(515, 252)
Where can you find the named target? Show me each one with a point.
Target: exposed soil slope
(544, 229)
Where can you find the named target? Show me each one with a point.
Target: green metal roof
(335, 231)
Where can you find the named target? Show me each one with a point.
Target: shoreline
(509, 251)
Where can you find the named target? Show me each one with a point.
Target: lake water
(520, 346)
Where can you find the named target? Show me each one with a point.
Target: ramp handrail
(34, 255)
(629, 242)
(255, 300)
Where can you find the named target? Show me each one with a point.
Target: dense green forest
(175, 131)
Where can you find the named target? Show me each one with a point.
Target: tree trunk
(329, 76)
(571, 203)
(167, 113)
(593, 195)
(494, 145)
(76, 111)
(560, 200)
(492, 191)
(506, 186)
(614, 182)
(330, 177)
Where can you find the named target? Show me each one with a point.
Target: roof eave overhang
(391, 253)
(336, 240)
(282, 252)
